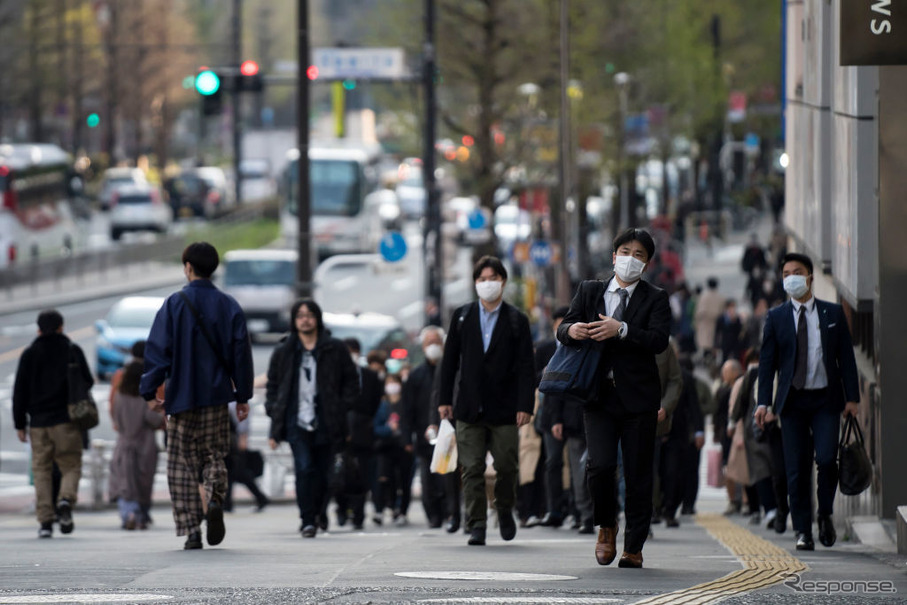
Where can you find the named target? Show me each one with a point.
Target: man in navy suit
(630, 320)
(807, 343)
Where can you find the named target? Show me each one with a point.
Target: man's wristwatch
(622, 330)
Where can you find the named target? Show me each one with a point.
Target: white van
(263, 283)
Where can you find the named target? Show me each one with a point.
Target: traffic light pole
(432, 240)
(235, 113)
(303, 206)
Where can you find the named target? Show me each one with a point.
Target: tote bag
(572, 370)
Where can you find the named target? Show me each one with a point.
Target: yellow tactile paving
(764, 565)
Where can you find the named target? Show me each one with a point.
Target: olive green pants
(473, 441)
(60, 443)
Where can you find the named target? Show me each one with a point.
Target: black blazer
(779, 354)
(491, 386)
(648, 318)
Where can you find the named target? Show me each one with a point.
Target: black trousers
(672, 458)
(432, 492)
(690, 477)
(555, 494)
(609, 425)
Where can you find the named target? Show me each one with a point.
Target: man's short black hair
(639, 235)
(203, 258)
(353, 344)
(489, 261)
(313, 308)
(49, 321)
(712, 283)
(138, 349)
(560, 313)
(798, 258)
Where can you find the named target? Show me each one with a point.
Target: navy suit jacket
(779, 352)
(648, 319)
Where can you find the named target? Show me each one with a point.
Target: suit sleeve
(526, 366)
(847, 362)
(768, 360)
(450, 363)
(674, 383)
(576, 314)
(654, 336)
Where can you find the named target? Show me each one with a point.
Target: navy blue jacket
(177, 351)
(779, 353)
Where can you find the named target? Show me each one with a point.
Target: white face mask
(489, 291)
(628, 268)
(392, 388)
(795, 285)
(433, 352)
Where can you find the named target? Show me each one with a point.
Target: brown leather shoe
(606, 546)
(630, 560)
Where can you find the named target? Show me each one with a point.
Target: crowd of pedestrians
(361, 428)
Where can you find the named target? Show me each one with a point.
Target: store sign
(873, 32)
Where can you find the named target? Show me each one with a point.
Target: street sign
(872, 32)
(476, 219)
(541, 254)
(360, 63)
(392, 246)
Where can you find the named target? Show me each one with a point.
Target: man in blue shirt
(200, 346)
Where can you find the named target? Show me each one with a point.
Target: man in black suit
(487, 386)
(630, 320)
(807, 342)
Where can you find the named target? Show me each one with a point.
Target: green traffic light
(349, 84)
(207, 83)
(93, 120)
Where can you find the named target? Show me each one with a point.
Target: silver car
(138, 208)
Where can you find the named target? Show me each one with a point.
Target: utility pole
(236, 59)
(433, 253)
(78, 63)
(559, 223)
(303, 201)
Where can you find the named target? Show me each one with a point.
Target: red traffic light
(312, 72)
(248, 68)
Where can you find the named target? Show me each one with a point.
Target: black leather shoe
(781, 523)
(587, 527)
(453, 525)
(193, 542)
(477, 537)
(827, 535)
(671, 522)
(551, 520)
(308, 531)
(805, 542)
(508, 525)
(215, 523)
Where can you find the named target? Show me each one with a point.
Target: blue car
(128, 321)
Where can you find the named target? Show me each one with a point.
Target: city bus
(38, 185)
(349, 212)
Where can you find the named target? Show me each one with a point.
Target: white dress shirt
(816, 378)
(612, 301)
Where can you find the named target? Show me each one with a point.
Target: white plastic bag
(444, 456)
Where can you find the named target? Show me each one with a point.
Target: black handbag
(252, 461)
(854, 467)
(572, 370)
(83, 411)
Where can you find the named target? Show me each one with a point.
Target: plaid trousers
(198, 441)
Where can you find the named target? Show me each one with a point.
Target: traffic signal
(93, 120)
(207, 83)
(250, 79)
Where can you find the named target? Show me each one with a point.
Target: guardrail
(102, 261)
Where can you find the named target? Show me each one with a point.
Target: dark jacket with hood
(41, 390)
(337, 384)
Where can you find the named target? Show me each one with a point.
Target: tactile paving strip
(764, 565)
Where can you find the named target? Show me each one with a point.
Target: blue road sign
(540, 253)
(392, 246)
(476, 219)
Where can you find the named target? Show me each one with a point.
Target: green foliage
(237, 236)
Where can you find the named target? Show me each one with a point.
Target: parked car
(114, 178)
(411, 189)
(373, 330)
(263, 282)
(138, 208)
(202, 191)
(128, 321)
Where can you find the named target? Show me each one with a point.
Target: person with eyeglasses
(312, 385)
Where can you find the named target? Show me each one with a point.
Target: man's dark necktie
(802, 350)
(622, 307)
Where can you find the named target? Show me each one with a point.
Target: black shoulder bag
(854, 466)
(82, 409)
